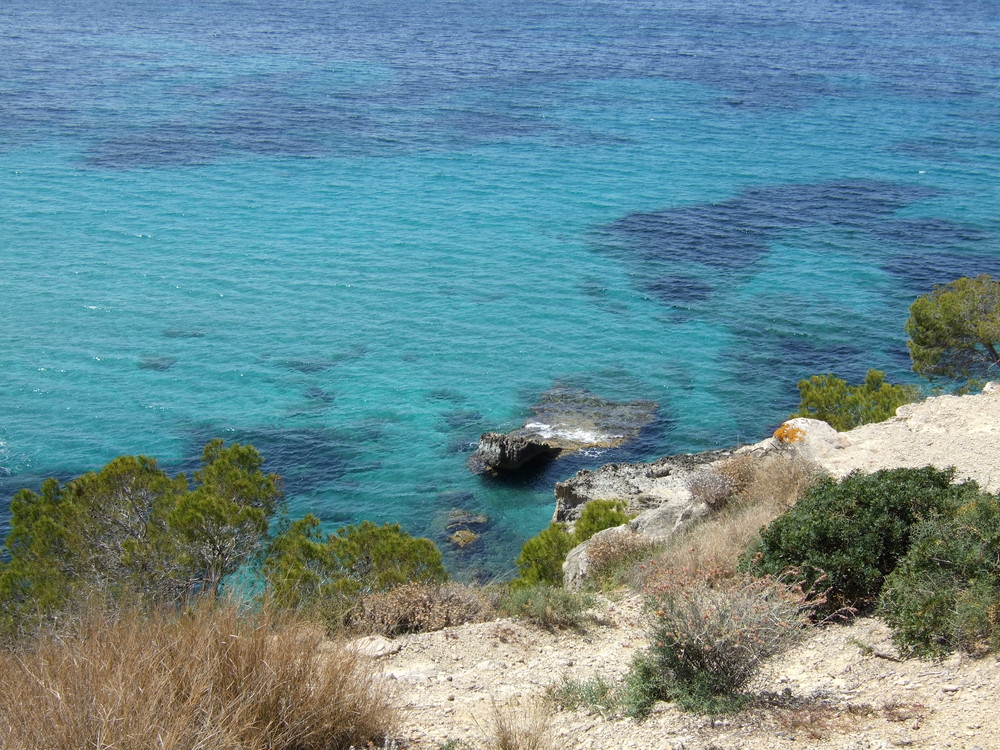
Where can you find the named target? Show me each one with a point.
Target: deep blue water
(359, 234)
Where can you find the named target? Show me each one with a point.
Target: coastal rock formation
(640, 485)
(946, 431)
(564, 421)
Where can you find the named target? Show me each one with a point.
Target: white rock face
(959, 431)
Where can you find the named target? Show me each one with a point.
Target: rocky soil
(844, 687)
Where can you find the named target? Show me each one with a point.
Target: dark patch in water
(307, 366)
(445, 394)
(732, 234)
(801, 354)
(157, 364)
(180, 333)
(930, 232)
(679, 290)
(463, 419)
(164, 146)
(307, 458)
(934, 251)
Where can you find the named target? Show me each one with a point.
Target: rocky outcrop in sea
(564, 421)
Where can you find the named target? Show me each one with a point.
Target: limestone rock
(640, 485)
(576, 568)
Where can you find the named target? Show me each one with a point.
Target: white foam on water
(548, 431)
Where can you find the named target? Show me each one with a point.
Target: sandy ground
(843, 688)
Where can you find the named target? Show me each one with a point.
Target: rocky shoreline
(962, 432)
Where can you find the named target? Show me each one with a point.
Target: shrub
(541, 558)
(845, 407)
(131, 531)
(854, 531)
(518, 727)
(611, 558)
(549, 606)
(212, 677)
(598, 515)
(739, 470)
(945, 594)
(423, 607)
(710, 487)
(955, 330)
(708, 640)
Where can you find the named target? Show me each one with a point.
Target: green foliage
(303, 569)
(548, 606)
(845, 407)
(945, 594)
(542, 556)
(599, 515)
(596, 695)
(131, 531)
(854, 531)
(955, 330)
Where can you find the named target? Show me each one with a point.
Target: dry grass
(215, 678)
(518, 727)
(770, 486)
(423, 607)
(613, 556)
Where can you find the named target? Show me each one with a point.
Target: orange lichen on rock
(788, 434)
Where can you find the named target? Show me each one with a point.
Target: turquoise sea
(359, 234)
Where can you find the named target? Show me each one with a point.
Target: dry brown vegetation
(423, 607)
(214, 677)
(766, 488)
(518, 727)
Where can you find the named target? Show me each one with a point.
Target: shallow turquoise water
(358, 236)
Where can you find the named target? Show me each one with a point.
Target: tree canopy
(955, 330)
(131, 530)
(845, 407)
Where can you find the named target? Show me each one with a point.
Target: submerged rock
(463, 528)
(463, 538)
(565, 421)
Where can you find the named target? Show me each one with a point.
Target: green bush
(845, 407)
(542, 556)
(854, 531)
(945, 594)
(708, 640)
(955, 330)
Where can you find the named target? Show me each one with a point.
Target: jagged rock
(565, 421)
(498, 452)
(666, 520)
(640, 485)
(813, 439)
